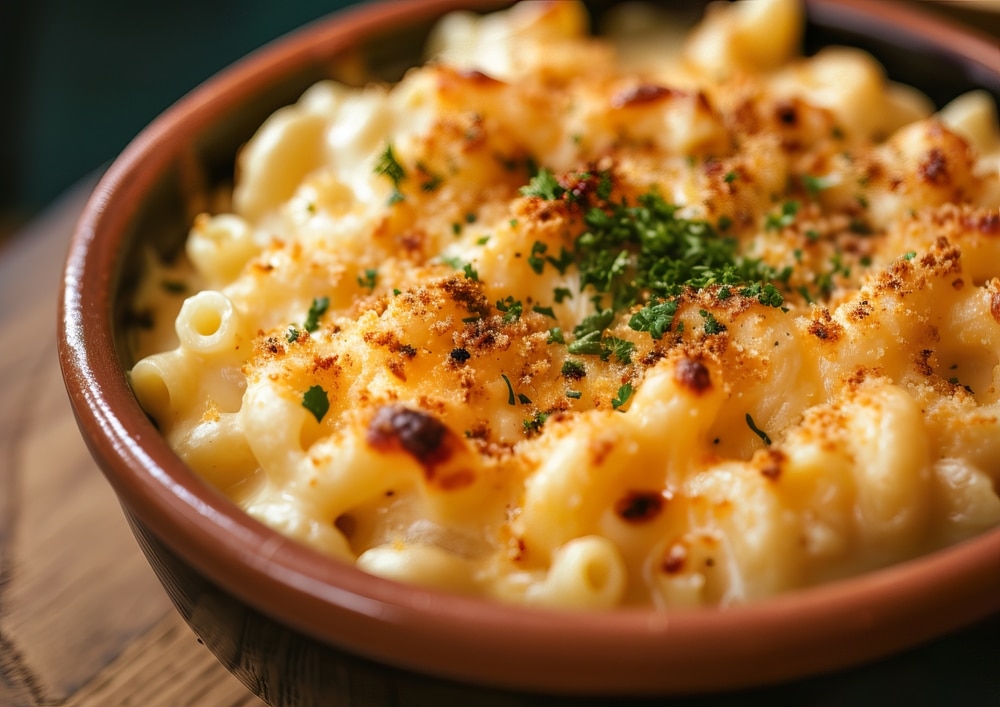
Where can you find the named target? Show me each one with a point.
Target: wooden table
(84, 622)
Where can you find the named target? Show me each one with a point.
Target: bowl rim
(650, 652)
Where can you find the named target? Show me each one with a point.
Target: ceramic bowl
(298, 628)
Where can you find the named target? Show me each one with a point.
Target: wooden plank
(75, 589)
(168, 666)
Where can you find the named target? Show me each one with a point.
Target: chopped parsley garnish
(547, 311)
(470, 217)
(731, 176)
(757, 431)
(316, 401)
(574, 394)
(316, 310)
(523, 399)
(562, 294)
(390, 167)
(624, 393)
(910, 255)
(470, 272)
(556, 336)
(645, 254)
(292, 335)
(368, 279)
(544, 185)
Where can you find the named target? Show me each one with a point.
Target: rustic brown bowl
(298, 628)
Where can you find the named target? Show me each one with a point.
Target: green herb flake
(536, 262)
(482, 240)
(511, 308)
(315, 400)
(292, 335)
(470, 272)
(757, 431)
(562, 263)
(574, 394)
(624, 393)
(562, 294)
(814, 185)
(547, 311)
(573, 369)
(511, 399)
(177, 287)
(556, 336)
(621, 349)
(604, 185)
(533, 425)
(523, 399)
(456, 229)
(544, 186)
(368, 279)
(731, 176)
(909, 255)
(587, 345)
(316, 310)
(783, 219)
(712, 325)
(656, 318)
(388, 166)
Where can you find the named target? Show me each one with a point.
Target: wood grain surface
(83, 620)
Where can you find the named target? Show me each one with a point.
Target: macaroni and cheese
(587, 322)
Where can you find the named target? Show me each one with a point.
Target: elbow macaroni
(392, 352)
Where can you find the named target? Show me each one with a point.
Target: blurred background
(80, 78)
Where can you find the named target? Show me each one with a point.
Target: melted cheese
(382, 361)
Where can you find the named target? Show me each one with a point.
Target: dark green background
(80, 78)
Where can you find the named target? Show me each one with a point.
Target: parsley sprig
(646, 254)
(388, 166)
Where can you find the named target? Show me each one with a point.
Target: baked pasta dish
(594, 320)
